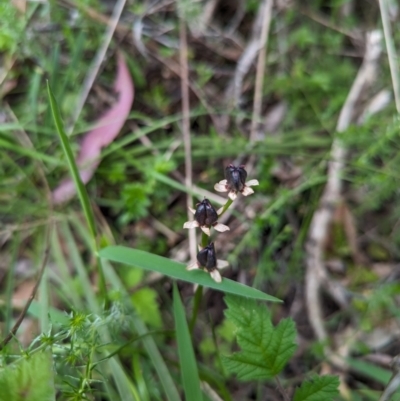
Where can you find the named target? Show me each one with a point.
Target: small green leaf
(317, 389)
(30, 379)
(187, 359)
(151, 262)
(265, 349)
(145, 302)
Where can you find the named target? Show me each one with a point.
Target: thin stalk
(257, 103)
(183, 60)
(226, 206)
(198, 295)
(81, 190)
(199, 291)
(391, 52)
(281, 389)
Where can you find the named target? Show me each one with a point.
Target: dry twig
(257, 104)
(391, 52)
(394, 382)
(186, 127)
(318, 232)
(234, 89)
(93, 71)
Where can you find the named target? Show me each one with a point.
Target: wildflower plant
(205, 217)
(264, 349)
(235, 181)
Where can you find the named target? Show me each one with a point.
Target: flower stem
(204, 240)
(198, 295)
(226, 206)
(199, 292)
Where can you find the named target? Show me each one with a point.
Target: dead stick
(318, 232)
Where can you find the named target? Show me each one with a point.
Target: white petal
(222, 263)
(220, 187)
(216, 276)
(206, 230)
(247, 191)
(191, 224)
(252, 183)
(192, 266)
(223, 182)
(232, 195)
(221, 227)
(192, 210)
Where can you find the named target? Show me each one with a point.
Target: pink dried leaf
(106, 130)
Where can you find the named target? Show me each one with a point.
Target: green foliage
(377, 163)
(28, 379)
(12, 26)
(189, 371)
(265, 349)
(145, 303)
(311, 63)
(151, 262)
(80, 188)
(136, 199)
(317, 389)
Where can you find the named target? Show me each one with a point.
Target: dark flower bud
(207, 258)
(205, 214)
(236, 177)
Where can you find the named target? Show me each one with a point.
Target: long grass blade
(187, 359)
(81, 190)
(175, 270)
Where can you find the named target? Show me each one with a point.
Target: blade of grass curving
(11, 282)
(83, 196)
(175, 270)
(370, 370)
(80, 188)
(5, 144)
(187, 359)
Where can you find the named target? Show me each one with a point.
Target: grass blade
(81, 190)
(175, 270)
(187, 359)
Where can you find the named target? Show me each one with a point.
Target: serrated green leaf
(317, 389)
(175, 270)
(30, 379)
(265, 349)
(145, 302)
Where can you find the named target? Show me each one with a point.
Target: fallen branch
(316, 273)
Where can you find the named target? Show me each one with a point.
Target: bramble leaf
(318, 388)
(29, 379)
(265, 349)
(145, 302)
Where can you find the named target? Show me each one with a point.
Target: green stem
(204, 240)
(196, 306)
(226, 206)
(199, 292)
